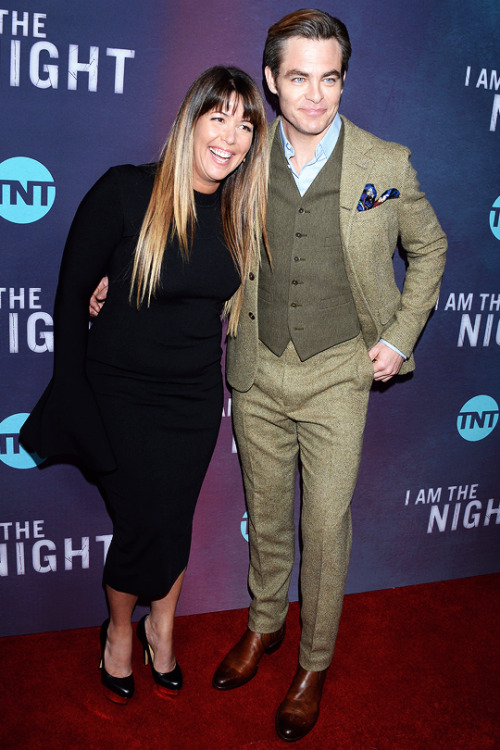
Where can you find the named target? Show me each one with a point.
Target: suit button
(293, 304)
(251, 316)
(298, 234)
(301, 210)
(251, 276)
(295, 282)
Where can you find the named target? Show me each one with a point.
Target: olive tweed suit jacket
(369, 241)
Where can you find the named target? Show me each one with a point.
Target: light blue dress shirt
(324, 150)
(310, 171)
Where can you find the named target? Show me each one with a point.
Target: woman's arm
(95, 232)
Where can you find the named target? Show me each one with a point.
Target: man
(315, 330)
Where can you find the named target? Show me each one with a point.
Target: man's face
(309, 86)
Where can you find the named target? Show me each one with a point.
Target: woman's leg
(118, 651)
(160, 627)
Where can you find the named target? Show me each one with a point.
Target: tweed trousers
(313, 411)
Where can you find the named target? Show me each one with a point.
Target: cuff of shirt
(394, 348)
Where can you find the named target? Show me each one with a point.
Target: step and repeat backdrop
(84, 86)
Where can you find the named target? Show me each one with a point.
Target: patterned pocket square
(369, 197)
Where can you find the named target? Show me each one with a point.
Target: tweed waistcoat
(306, 295)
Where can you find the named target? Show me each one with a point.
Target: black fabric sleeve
(66, 420)
(95, 232)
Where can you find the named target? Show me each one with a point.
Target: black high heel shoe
(169, 682)
(116, 689)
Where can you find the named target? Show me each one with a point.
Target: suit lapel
(356, 166)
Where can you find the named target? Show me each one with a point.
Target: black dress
(138, 398)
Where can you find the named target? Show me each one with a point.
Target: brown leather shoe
(299, 711)
(240, 664)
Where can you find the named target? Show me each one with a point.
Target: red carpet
(415, 668)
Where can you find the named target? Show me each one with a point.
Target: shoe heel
(114, 697)
(164, 692)
(277, 643)
(275, 646)
(141, 634)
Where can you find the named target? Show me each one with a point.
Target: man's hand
(98, 297)
(386, 362)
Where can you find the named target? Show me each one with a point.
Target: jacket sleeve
(66, 420)
(425, 244)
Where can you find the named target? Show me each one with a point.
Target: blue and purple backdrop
(87, 85)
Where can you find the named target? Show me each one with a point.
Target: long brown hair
(172, 212)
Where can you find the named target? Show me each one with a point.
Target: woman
(139, 398)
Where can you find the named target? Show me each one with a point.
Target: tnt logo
(495, 218)
(27, 190)
(12, 452)
(244, 526)
(478, 418)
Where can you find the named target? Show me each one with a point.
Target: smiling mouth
(314, 112)
(220, 154)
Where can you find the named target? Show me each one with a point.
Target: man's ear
(270, 80)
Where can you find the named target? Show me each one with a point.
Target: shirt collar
(325, 147)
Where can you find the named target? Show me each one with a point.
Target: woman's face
(221, 140)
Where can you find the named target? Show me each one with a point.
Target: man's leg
(330, 416)
(268, 450)
(268, 455)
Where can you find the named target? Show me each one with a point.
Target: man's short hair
(308, 23)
